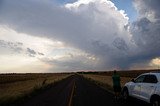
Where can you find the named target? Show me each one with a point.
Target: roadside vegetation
(104, 79)
(16, 87)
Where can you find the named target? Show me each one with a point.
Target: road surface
(77, 91)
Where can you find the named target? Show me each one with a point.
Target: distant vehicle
(145, 87)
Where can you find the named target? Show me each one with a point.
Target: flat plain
(17, 86)
(61, 89)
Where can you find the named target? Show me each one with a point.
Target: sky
(86, 35)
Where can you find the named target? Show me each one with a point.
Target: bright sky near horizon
(69, 35)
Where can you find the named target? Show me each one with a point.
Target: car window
(139, 79)
(150, 79)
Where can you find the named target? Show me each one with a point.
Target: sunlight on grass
(19, 88)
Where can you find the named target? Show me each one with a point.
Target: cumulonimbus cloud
(146, 30)
(93, 26)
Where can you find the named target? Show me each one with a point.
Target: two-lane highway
(89, 94)
(77, 91)
(59, 95)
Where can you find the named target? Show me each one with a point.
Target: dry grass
(17, 88)
(106, 81)
(104, 78)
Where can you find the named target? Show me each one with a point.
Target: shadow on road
(89, 94)
(130, 102)
(78, 91)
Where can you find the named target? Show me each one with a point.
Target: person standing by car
(116, 84)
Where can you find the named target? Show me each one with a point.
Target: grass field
(104, 79)
(15, 86)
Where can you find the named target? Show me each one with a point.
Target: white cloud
(93, 27)
(71, 62)
(21, 64)
(90, 25)
(155, 62)
(16, 56)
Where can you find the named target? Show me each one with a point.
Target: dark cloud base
(86, 28)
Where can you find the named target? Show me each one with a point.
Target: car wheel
(125, 94)
(155, 102)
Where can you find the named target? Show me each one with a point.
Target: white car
(145, 87)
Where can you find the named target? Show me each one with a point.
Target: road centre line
(72, 93)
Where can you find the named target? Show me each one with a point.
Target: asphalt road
(58, 95)
(89, 94)
(77, 91)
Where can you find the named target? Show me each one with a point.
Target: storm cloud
(96, 27)
(146, 29)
